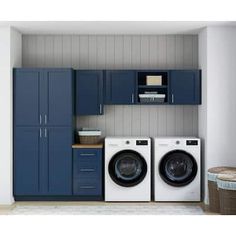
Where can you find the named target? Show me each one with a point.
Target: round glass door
(127, 168)
(178, 168)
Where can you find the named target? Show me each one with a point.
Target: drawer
(85, 156)
(91, 172)
(87, 188)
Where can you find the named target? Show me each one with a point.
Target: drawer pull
(87, 187)
(87, 170)
(87, 154)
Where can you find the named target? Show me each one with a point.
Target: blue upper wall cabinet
(120, 87)
(89, 92)
(185, 87)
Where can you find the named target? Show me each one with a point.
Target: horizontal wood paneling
(123, 52)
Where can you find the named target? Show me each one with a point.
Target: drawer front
(88, 172)
(87, 188)
(88, 156)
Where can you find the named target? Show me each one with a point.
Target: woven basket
(214, 200)
(227, 193)
(89, 139)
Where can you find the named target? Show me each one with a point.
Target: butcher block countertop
(78, 145)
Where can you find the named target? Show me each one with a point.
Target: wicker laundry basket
(89, 136)
(214, 201)
(227, 193)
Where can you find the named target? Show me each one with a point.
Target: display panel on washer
(178, 168)
(127, 168)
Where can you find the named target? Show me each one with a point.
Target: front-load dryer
(177, 169)
(127, 169)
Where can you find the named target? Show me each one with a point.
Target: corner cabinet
(120, 87)
(185, 87)
(89, 92)
(43, 115)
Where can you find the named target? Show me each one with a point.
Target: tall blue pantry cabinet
(43, 132)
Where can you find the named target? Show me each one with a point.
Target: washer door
(178, 168)
(127, 168)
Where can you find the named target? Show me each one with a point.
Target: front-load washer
(177, 169)
(127, 169)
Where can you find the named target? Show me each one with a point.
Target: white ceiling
(113, 27)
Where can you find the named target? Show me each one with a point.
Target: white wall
(217, 115)
(10, 48)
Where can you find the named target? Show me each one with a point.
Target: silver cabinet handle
(87, 187)
(87, 170)
(45, 119)
(40, 119)
(45, 133)
(87, 154)
(172, 98)
(132, 98)
(100, 108)
(40, 133)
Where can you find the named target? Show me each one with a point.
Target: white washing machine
(177, 169)
(127, 169)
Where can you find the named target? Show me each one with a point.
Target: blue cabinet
(89, 92)
(42, 140)
(185, 87)
(87, 173)
(120, 87)
(58, 142)
(27, 94)
(58, 99)
(27, 155)
(43, 97)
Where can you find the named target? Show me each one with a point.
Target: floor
(102, 208)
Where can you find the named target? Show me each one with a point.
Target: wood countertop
(78, 145)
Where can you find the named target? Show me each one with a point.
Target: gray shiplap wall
(122, 52)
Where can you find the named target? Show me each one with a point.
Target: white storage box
(153, 80)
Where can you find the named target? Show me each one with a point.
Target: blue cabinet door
(120, 87)
(27, 93)
(89, 92)
(58, 97)
(59, 160)
(27, 155)
(185, 87)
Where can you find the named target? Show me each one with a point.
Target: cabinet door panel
(59, 104)
(27, 97)
(185, 87)
(26, 161)
(120, 87)
(59, 142)
(89, 86)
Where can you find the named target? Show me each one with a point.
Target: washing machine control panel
(191, 142)
(142, 142)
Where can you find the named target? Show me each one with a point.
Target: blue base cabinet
(43, 132)
(88, 173)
